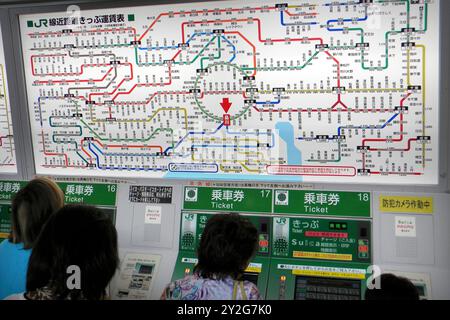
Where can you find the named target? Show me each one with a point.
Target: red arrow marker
(226, 104)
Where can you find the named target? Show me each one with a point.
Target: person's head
(80, 236)
(227, 244)
(393, 288)
(31, 208)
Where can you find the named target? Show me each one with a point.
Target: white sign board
(153, 215)
(405, 227)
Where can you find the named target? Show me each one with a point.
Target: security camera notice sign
(150, 194)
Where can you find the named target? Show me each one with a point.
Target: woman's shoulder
(188, 279)
(5, 244)
(179, 288)
(7, 247)
(15, 250)
(252, 291)
(10, 246)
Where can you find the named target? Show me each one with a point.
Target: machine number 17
(265, 193)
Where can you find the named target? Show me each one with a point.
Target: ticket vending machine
(321, 245)
(192, 226)
(313, 245)
(200, 203)
(319, 259)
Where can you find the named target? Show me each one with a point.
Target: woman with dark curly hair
(227, 245)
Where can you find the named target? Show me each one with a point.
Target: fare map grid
(7, 148)
(265, 91)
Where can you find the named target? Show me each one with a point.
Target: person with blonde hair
(31, 207)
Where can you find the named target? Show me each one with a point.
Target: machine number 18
(364, 197)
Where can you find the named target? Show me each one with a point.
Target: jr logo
(189, 217)
(281, 221)
(41, 23)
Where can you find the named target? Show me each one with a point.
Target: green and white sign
(89, 193)
(8, 189)
(228, 199)
(322, 203)
(75, 193)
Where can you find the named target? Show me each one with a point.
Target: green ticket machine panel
(319, 259)
(192, 226)
(5, 221)
(314, 245)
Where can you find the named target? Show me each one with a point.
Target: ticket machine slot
(312, 288)
(282, 290)
(263, 236)
(364, 241)
(251, 277)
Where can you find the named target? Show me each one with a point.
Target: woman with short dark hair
(75, 257)
(31, 208)
(227, 245)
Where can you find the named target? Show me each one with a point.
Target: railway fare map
(7, 149)
(314, 91)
